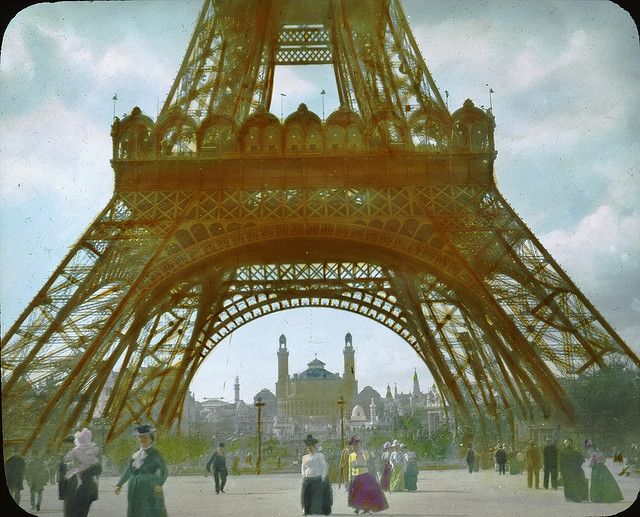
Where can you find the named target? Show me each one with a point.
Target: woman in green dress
(604, 488)
(146, 473)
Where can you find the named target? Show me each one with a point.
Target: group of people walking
(364, 493)
(365, 480)
(400, 468)
(564, 467)
(77, 475)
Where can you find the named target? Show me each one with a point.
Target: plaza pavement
(447, 493)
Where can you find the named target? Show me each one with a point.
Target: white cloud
(602, 256)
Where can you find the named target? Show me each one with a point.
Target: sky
(565, 77)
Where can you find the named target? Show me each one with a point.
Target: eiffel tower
(223, 213)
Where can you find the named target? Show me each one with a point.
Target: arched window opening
(313, 140)
(126, 147)
(479, 137)
(184, 238)
(335, 139)
(252, 141)
(294, 139)
(218, 140)
(428, 135)
(460, 136)
(354, 138)
(178, 141)
(272, 140)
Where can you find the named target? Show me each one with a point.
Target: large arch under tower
(223, 213)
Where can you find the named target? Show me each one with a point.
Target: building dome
(344, 117)
(303, 117)
(358, 414)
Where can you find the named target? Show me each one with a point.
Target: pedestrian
(343, 474)
(146, 473)
(36, 475)
(313, 495)
(521, 461)
(533, 465)
(550, 461)
(471, 457)
(81, 475)
(62, 471)
(364, 492)
(501, 459)
(576, 486)
(396, 459)
(411, 470)
(513, 461)
(604, 488)
(385, 477)
(14, 473)
(218, 462)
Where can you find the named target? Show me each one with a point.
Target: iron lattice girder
(229, 64)
(303, 46)
(189, 250)
(157, 252)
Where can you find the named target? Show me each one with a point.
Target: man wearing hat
(146, 473)
(14, 472)
(314, 473)
(501, 459)
(219, 463)
(550, 461)
(533, 465)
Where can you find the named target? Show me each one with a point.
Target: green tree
(607, 404)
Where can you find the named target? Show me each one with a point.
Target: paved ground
(449, 493)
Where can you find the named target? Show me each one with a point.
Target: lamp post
(259, 404)
(341, 404)
(323, 94)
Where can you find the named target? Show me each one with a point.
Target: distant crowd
(560, 467)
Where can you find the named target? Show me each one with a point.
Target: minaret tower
(350, 383)
(236, 390)
(283, 370)
(372, 412)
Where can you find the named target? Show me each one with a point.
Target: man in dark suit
(218, 462)
(550, 461)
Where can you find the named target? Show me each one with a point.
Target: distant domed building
(312, 396)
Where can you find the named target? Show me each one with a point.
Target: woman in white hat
(397, 468)
(386, 471)
(314, 480)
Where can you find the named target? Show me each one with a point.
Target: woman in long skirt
(411, 471)
(576, 486)
(316, 496)
(146, 473)
(604, 488)
(364, 492)
(397, 468)
(386, 467)
(81, 475)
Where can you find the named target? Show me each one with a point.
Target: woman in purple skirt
(364, 492)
